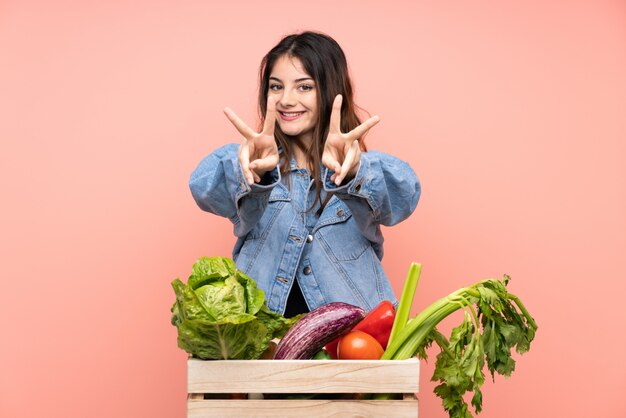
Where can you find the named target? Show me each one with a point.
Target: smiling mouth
(290, 115)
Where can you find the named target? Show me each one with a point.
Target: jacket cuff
(358, 186)
(259, 190)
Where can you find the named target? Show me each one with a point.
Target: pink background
(512, 114)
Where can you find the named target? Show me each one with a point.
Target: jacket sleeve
(384, 191)
(219, 186)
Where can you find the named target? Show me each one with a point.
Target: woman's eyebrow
(297, 80)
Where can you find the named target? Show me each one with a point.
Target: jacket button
(307, 270)
(339, 212)
(309, 238)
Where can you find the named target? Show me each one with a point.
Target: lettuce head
(221, 314)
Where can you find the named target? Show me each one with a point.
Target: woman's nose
(287, 98)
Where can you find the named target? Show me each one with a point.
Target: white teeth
(291, 114)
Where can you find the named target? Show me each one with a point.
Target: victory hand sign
(342, 153)
(258, 152)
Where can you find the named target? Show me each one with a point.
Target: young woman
(305, 196)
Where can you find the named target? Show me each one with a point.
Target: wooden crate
(206, 380)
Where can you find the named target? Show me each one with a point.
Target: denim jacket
(336, 255)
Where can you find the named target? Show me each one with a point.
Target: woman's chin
(291, 132)
(297, 132)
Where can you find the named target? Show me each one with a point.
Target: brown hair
(323, 59)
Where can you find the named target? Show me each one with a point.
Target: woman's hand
(258, 152)
(342, 153)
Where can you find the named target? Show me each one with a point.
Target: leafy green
(495, 322)
(221, 314)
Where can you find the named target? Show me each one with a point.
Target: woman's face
(296, 98)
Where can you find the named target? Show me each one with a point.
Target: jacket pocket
(340, 234)
(277, 200)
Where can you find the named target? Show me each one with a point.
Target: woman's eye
(275, 87)
(306, 87)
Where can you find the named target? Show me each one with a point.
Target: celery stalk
(418, 329)
(406, 301)
(496, 323)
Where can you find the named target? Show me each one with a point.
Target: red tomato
(357, 345)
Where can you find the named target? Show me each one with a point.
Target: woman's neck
(302, 159)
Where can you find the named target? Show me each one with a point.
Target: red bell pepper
(377, 323)
(331, 347)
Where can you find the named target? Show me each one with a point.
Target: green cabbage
(221, 314)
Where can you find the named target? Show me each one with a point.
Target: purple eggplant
(317, 328)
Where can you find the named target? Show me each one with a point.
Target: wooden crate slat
(301, 408)
(302, 376)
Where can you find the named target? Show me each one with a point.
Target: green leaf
(426, 344)
(510, 333)
(224, 299)
(187, 305)
(210, 340)
(461, 334)
(208, 269)
(477, 401)
(255, 297)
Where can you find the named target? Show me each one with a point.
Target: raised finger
(330, 161)
(270, 117)
(335, 115)
(243, 129)
(348, 162)
(362, 129)
(244, 160)
(264, 164)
